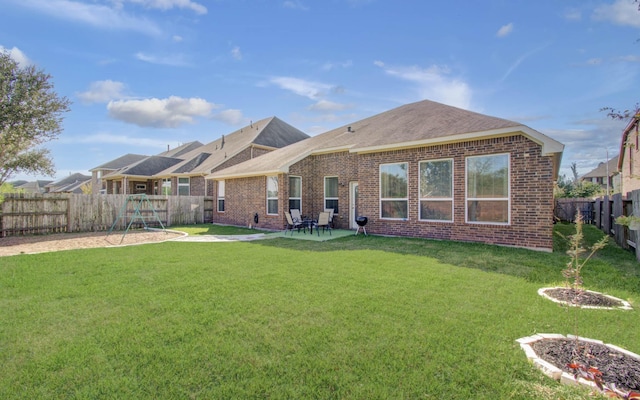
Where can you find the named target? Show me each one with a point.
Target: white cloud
(630, 58)
(331, 65)
(505, 30)
(102, 92)
(109, 138)
(231, 117)
(621, 12)
(236, 53)
(573, 14)
(165, 5)
(174, 60)
(295, 4)
(17, 55)
(171, 112)
(520, 60)
(177, 38)
(434, 83)
(312, 90)
(328, 106)
(96, 15)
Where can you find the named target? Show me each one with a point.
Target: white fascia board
(248, 174)
(549, 146)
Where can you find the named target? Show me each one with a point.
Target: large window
(488, 189)
(295, 193)
(220, 196)
(272, 195)
(166, 186)
(436, 190)
(394, 200)
(331, 193)
(183, 187)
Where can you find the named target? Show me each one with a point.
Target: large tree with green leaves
(30, 115)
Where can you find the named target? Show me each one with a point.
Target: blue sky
(145, 74)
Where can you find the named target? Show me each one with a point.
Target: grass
(352, 318)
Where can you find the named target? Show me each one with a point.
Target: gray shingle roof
(147, 167)
(73, 178)
(416, 124)
(181, 150)
(268, 133)
(601, 170)
(120, 162)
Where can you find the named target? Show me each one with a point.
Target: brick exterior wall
(245, 197)
(313, 170)
(531, 183)
(630, 170)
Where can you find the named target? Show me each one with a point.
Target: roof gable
(268, 133)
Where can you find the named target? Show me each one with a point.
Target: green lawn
(352, 318)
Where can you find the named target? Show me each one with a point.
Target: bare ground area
(14, 245)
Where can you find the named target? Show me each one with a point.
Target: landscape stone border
(554, 372)
(625, 304)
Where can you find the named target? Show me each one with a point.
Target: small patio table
(308, 223)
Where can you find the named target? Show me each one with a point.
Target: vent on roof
(222, 144)
(349, 129)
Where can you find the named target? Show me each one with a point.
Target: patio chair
(330, 211)
(323, 222)
(295, 214)
(292, 224)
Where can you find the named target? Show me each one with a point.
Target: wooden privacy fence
(602, 213)
(22, 214)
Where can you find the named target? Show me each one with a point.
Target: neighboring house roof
(120, 162)
(181, 150)
(269, 133)
(603, 169)
(146, 167)
(32, 187)
(194, 158)
(71, 183)
(423, 123)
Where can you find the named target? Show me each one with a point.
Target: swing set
(140, 203)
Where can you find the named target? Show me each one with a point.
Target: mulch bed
(616, 367)
(582, 298)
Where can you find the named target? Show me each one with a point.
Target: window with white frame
(183, 187)
(295, 193)
(166, 186)
(436, 190)
(488, 189)
(331, 193)
(220, 196)
(394, 198)
(272, 195)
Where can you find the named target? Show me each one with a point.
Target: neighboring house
(184, 173)
(98, 185)
(71, 184)
(629, 162)
(606, 175)
(32, 187)
(135, 177)
(423, 170)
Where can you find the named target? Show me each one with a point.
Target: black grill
(362, 221)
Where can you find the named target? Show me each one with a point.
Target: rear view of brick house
(424, 170)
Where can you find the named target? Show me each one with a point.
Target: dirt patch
(15, 245)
